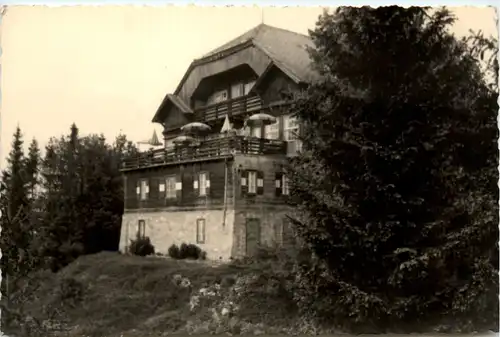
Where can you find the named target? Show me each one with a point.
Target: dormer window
(217, 97)
(237, 90)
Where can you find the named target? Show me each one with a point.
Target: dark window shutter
(260, 182)
(244, 182)
(153, 189)
(278, 184)
(178, 187)
(148, 186)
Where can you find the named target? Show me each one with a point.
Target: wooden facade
(240, 173)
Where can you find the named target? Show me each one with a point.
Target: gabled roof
(175, 100)
(287, 49)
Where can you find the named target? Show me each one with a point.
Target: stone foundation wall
(273, 227)
(165, 228)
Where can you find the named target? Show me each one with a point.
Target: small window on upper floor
(142, 189)
(217, 97)
(290, 128)
(282, 185)
(237, 90)
(201, 184)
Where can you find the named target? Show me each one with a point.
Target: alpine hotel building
(218, 181)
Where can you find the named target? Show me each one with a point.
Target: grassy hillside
(109, 294)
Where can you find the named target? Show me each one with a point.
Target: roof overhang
(225, 53)
(211, 58)
(169, 100)
(271, 66)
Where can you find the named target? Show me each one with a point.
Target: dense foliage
(186, 251)
(397, 184)
(141, 246)
(58, 207)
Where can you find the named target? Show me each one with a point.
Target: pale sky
(108, 68)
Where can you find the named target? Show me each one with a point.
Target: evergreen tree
(15, 240)
(83, 196)
(33, 162)
(15, 177)
(396, 187)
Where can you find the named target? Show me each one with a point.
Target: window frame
(201, 230)
(173, 192)
(144, 189)
(250, 173)
(218, 96)
(141, 224)
(204, 188)
(287, 129)
(285, 187)
(241, 90)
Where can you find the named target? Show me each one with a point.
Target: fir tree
(33, 162)
(396, 186)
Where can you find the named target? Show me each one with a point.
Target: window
(141, 229)
(217, 97)
(285, 188)
(171, 192)
(144, 189)
(204, 183)
(248, 87)
(252, 182)
(272, 131)
(290, 128)
(237, 90)
(200, 231)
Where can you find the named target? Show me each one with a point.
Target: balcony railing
(219, 147)
(232, 107)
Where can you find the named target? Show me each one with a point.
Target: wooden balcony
(233, 107)
(216, 148)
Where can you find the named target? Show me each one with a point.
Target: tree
(396, 186)
(83, 196)
(16, 241)
(16, 234)
(32, 169)
(15, 176)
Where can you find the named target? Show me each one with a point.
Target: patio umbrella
(227, 127)
(183, 140)
(260, 119)
(195, 127)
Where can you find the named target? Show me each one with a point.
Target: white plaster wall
(166, 228)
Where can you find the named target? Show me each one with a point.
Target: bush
(189, 251)
(141, 247)
(174, 252)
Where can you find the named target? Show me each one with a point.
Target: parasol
(227, 126)
(183, 140)
(260, 119)
(195, 127)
